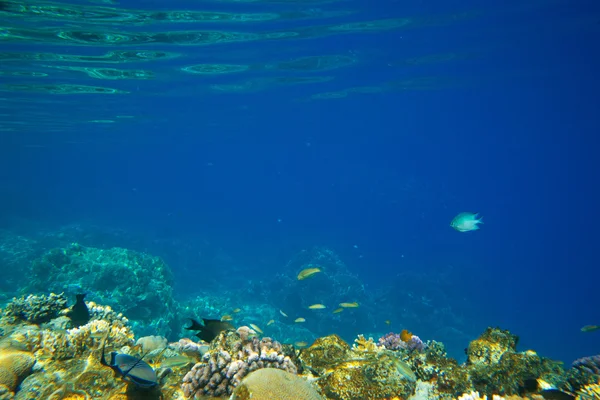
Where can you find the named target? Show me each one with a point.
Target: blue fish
(130, 368)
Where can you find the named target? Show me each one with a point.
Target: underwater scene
(299, 199)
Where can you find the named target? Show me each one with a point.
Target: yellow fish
(301, 344)
(349, 305)
(282, 313)
(590, 328)
(226, 318)
(338, 310)
(256, 328)
(270, 322)
(388, 322)
(236, 310)
(316, 307)
(299, 320)
(308, 272)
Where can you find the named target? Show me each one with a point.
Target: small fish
(79, 313)
(226, 317)
(338, 310)
(210, 329)
(176, 361)
(466, 222)
(590, 328)
(349, 305)
(307, 273)
(317, 307)
(282, 313)
(236, 310)
(299, 320)
(270, 322)
(301, 344)
(256, 328)
(388, 322)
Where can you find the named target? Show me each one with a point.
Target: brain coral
(274, 384)
(14, 367)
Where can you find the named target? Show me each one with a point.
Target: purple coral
(588, 364)
(393, 341)
(229, 360)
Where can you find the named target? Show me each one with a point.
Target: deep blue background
(512, 135)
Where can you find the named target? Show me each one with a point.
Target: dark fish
(210, 329)
(132, 369)
(555, 394)
(79, 313)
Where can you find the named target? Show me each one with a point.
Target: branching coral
(403, 341)
(229, 360)
(35, 309)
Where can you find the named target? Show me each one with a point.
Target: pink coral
(230, 358)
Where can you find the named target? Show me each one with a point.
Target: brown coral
(274, 384)
(14, 367)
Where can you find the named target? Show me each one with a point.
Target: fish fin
(135, 364)
(195, 325)
(102, 357)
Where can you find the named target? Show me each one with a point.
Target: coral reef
(490, 346)
(43, 357)
(35, 309)
(402, 341)
(274, 384)
(14, 367)
(138, 284)
(231, 356)
(363, 371)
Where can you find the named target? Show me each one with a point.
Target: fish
(176, 361)
(226, 317)
(301, 344)
(317, 307)
(466, 222)
(338, 310)
(590, 328)
(256, 328)
(236, 310)
(349, 305)
(387, 322)
(299, 320)
(130, 368)
(79, 313)
(210, 329)
(270, 322)
(307, 273)
(282, 313)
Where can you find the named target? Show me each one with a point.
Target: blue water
(504, 122)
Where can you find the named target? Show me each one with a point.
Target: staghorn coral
(35, 309)
(274, 384)
(229, 359)
(362, 344)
